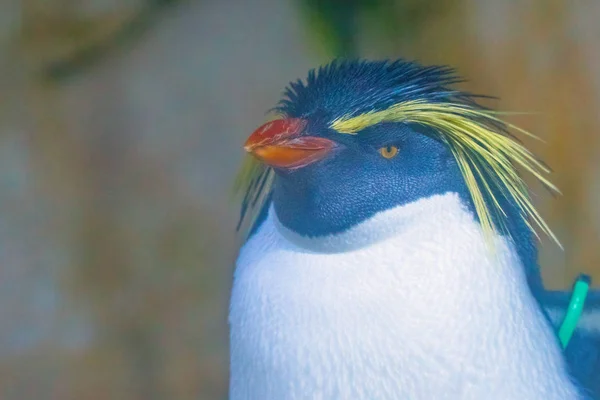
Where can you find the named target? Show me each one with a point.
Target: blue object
(574, 311)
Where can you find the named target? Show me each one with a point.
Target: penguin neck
(386, 224)
(380, 227)
(435, 241)
(383, 226)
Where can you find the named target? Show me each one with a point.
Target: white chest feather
(421, 312)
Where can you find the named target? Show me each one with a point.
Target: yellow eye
(388, 151)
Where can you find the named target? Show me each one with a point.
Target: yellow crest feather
(481, 148)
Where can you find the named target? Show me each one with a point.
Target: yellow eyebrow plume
(485, 154)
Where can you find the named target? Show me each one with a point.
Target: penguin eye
(388, 151)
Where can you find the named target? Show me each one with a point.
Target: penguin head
(360, 137)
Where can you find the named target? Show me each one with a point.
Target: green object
(580, 291)
(335, 24)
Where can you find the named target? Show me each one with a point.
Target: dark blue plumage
(339, 192)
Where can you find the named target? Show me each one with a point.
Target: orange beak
(281, 144)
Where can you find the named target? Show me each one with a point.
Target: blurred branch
(60, 46)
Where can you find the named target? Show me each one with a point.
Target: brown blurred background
(120, 130)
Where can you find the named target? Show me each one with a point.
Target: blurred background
(121, 124)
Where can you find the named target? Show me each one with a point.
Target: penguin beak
(282, 144)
